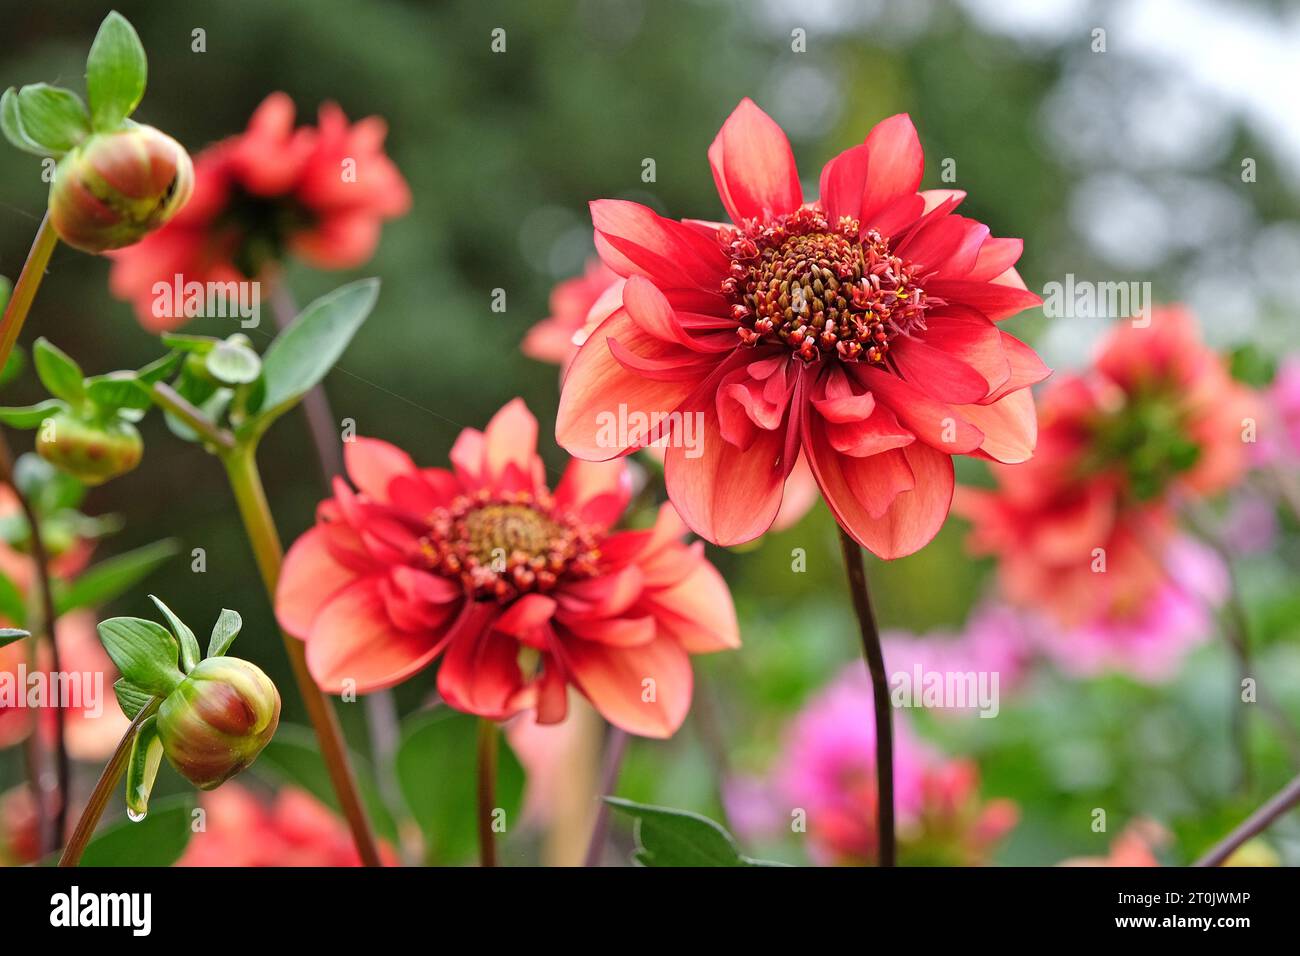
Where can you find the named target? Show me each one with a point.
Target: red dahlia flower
(521, 591)
(318, 192)
(858, 328)
(1084, 528)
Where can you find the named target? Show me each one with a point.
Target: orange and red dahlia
(519, 590)
(859, 328)
(1085, 527)
(318, 192)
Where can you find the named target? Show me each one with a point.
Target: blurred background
(1117, 165)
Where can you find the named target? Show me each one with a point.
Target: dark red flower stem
(615, 750)
(52, 809)
(1256, 823)
(875, 658)
(488, 738)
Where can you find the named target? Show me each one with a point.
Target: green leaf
(305, 351)
(11, 125)
(224, 632)
(157, 840)
(436, 763)
(159, 369)
(117, 390)
(10, 634)
(60, 375)
(233, 363)
(189, 643)
(31, 416)
(13, 606)
(116, 70)
(142, 767)
(53, 117)
(184, 342)
(667, 837)
(110, 578)
(145, 652)
(293, 756)
(130, 698)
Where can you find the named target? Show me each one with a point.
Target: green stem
(246, 483)
(487, 785)
(240, 461)
(875, 658)
(108, 780)
(29, 280)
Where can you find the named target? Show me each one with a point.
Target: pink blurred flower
(997, 639)
(294, 829)
(1279, 434)
(577, 304)
(826, 768)
(1150, 642)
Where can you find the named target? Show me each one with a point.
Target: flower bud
(217, 720)
(91, 452)
(115, 188)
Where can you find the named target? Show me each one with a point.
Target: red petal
(670, 254)
(597, 386)
(753, 166)
(644, 690)
(895, 164)
(352, 639)
(309, 578)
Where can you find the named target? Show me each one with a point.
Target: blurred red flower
(1084, 527)
(520, 591)
(294, 829)
(320, 192)
(858, 328)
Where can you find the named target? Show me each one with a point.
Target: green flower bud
(115, 188)
(90, 452)
(216, 722)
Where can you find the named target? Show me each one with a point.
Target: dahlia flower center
(503, 547)
(820, 289)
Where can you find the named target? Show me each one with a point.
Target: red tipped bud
(216, 722)
(115, 188)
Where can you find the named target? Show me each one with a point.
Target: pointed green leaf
(189, 643)
(224, 632)
(112, 577)
(130, 698)
(159, 369)
(305, 351)
(60, 375)
(233, 363)
(31, 416)
(53, 117)
(144, 651)
(142, 767)
(11, 125)
(116, 70)
(184, 342)
(667, 837)
(10, 634)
